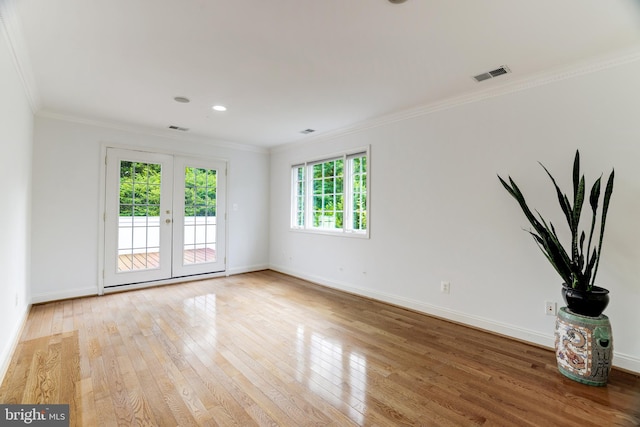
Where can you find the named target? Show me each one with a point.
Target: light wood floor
(268, 349)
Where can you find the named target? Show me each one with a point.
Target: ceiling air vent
(491, 74)
(307, 131)
(178, 128)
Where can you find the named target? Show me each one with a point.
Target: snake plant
(577, 266)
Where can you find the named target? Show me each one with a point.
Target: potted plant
(578, 265)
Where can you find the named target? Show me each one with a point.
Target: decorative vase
(591, 303)
(584, 347)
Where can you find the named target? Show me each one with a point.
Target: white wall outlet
(550, 308)
(445, 287)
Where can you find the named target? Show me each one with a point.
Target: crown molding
(147, 131)
(11, 29)
(594, 65)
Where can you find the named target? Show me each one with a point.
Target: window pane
(153, 194)
(153, 210)
(126, 172)
(359, 196)
(140, 194)
(126, 192)
(189, 178)
(298, 198)
(329, 204)
(200, 215)
(139, 172)
(139, 224)
(317, 171)
(356, 165)
(126, 210)
(317, 186)
(329, 184)
(329, 168)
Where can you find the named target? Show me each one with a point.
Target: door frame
(102, 220)
(113, 275)
(180, 162)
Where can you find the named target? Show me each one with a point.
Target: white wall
(16, 141)
(439, 213)
(66, 198)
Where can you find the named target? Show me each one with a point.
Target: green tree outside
(140, 190)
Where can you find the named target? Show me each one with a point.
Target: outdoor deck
(150, 260)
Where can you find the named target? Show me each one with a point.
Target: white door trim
(179, 268)
(101, 218)
(162, 223)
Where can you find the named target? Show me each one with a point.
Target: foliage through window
(200, 192)
(331, 195)
(139, 189)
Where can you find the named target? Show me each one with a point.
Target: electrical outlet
(445, 287)
(550, 308)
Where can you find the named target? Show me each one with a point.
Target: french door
(164, 217)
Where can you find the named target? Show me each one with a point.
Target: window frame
(301, 219)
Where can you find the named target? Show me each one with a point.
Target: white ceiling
(281, 66)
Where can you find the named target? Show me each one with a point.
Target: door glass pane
(199, 245)
(139, 218)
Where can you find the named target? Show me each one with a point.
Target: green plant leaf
(581, 258)
(517, 194)
(562, 198)
(576, 172)
(579, 266)
(577, 211)
(605, 209)
(594, 197)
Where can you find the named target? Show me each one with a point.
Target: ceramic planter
(590, 303)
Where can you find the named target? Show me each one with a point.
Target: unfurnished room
(328, 213)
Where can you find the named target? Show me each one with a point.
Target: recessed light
(182, 99)
(219, 108)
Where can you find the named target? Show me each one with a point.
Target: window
(331, 195)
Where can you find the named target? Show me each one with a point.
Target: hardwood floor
(267, 349)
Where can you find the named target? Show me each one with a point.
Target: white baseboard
(627, 362)
(247, 269)
(92, 291)
(68, 294)
(620, 360)
(10, 348)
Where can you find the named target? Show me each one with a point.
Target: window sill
(350, 234)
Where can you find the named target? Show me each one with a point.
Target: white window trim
(348, 195)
